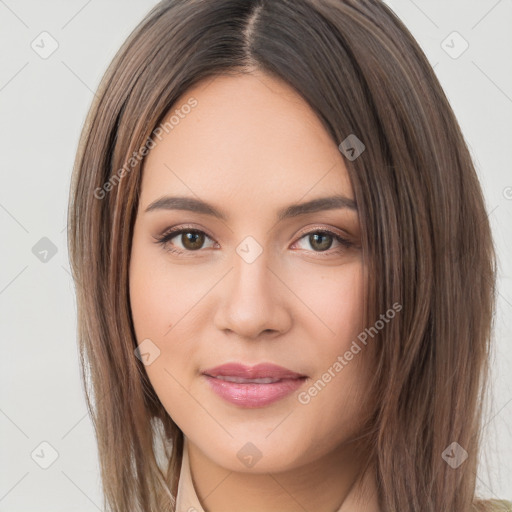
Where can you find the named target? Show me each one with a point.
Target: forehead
(249, 139)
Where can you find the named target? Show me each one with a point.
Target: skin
(250, 147)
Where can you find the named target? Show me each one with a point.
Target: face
(255, 283)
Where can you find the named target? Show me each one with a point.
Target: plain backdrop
(43, 104)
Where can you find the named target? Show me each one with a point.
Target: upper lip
(259, 371)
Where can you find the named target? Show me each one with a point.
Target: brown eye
(181, 241)
(321, 241)
(192, 240)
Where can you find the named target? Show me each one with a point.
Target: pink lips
(255, 386)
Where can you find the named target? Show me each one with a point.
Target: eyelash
(168, 235)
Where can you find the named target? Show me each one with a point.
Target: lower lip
(251, 394)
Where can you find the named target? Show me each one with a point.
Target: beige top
(187, 500)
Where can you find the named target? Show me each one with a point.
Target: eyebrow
(198, 206)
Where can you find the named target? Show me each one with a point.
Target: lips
(263, 373)
(253, 386)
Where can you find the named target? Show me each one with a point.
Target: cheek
(161, 300)
(166, 309)
(335, 298)
(337, 394)
(161, 296)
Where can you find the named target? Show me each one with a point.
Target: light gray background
(43, 103)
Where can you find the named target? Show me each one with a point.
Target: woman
(284, 268)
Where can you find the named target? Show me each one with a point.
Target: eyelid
(323, 228)
(182, 227)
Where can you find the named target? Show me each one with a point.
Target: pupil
(192, 240)
(324, 246)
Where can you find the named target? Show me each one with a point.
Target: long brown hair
(426, 238)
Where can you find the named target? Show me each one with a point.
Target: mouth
(255, 386)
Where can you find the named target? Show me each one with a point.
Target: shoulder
(498, 506)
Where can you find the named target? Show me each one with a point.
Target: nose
(252, 301)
